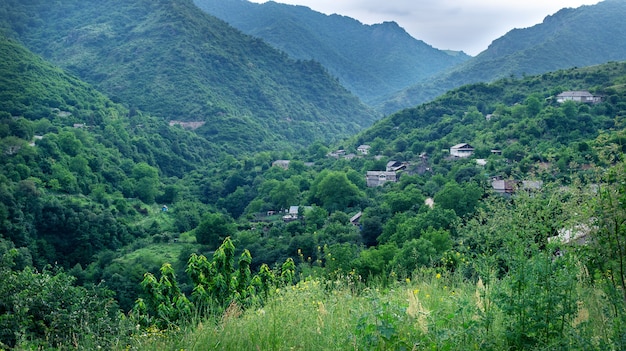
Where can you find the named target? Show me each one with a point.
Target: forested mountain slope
(169, 58)
(74, 167)
(584, 36)
(370, 60)
(519, 117)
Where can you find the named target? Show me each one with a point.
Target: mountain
(370, 60)
(584, 36)
(520, 117)
(73, 165)
(170, 59)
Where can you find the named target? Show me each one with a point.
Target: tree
(285, 194)
(533, 106)
(214, 228)
(147, 182)
(462, 199)
(410, 198)
(337, 192)
(46, 308)
(371, 228)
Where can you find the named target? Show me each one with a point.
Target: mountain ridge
(558, 42)
(370, 60)
(172, 60)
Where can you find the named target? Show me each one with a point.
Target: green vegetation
(111, 222)
(371, 61)
(560, 42)
(171, 60)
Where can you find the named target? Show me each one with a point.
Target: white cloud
(468, 25)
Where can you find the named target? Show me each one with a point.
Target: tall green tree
(214, 228)
(146, 182)
(336, 192)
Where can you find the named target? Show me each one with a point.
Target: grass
(342, 315)
(427, 312)
(159, 253)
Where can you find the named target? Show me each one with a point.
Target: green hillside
(371, 61)
(175, 62)
(570, 38)
(76, 172)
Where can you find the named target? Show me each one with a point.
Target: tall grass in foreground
(427, 312)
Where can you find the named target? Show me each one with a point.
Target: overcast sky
(468, 25)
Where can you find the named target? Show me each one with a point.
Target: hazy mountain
(584, 36)
(169, 58)
(370, 60)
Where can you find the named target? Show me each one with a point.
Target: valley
(168, 182)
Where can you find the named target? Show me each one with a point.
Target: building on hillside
(364, 149)
(284, 164)
(505, 187)
(462, 150)
(396, 166)
(356, 219)
(337, 153)
(378, 178)
(509, 187)
(295, 212)
(578, 96)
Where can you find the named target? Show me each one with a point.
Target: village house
(505, 187)
(396, 166)
(356, 219)
(462, 150)
(508, 187)
(284, 164)
(294, 213)
(363, 149)
(378, 178)
(337, 154)
(578, 96)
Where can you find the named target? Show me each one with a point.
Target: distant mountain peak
(572, 37)
(372, 61)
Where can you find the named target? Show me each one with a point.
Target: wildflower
(438, 276)
(416, 291)
(408, 280)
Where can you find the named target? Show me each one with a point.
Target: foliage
(251, 97)
(549, 46)
(214, 228)
(217, 285)
(371, 61)
(46, 309)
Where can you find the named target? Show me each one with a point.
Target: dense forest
(179, 64)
